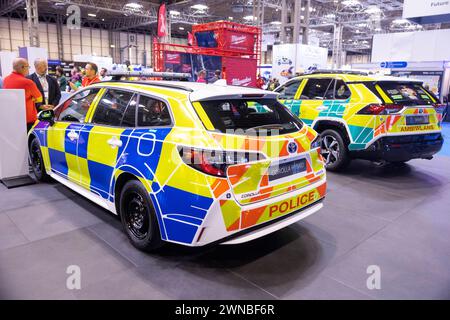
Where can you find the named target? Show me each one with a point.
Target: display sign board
(427, 11)
(238, 41)
(13, 137)
(394, 65)
(240, 72)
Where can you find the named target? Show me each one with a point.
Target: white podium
(13, 139)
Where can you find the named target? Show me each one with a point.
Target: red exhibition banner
(240, 72)
(173, 58)
(238, 41)
(162, 21)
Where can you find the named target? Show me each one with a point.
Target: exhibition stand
(14, 170)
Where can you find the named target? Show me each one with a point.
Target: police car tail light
(316, 142)
(380, 109)
(440, 108)
(215, 162)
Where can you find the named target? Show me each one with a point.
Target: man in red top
(17, 80)
(91, 76)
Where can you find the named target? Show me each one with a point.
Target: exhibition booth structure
(232, 48)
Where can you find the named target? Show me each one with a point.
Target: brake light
(316, 142)
(215, 162)
(380, 109)
(440, 108)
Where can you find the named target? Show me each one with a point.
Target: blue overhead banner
(394, 65)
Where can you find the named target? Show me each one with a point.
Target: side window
(341, 91)
(152, 113)
(111, 107)
(76, 108)
(129, 118)
(289, 90)
(316, 89)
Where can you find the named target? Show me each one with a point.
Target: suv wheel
(138, 217)
(37, 163)
(334, 150)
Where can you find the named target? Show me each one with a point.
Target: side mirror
(47, 116)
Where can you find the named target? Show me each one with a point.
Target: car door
(104, 136)
(316, 98)
(288, 93)
(63, 136)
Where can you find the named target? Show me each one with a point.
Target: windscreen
(407, 93)
(249, 117)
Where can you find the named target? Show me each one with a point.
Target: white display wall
(431, 45)
(296, 57)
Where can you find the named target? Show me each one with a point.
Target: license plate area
(417, 120)
(286, 169)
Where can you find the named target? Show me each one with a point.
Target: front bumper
(402, 148)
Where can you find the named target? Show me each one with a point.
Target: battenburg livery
(188, 163)
(384, 119)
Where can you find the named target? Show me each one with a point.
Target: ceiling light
(133, 5)
(276, 22)
(174, 13)
(199, 7)
(250, 18)
(230, 18)
(112, 46)
(181, 28)
(92, 15)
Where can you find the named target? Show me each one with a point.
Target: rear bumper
(402, 148)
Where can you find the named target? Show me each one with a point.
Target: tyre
(334, 150)
(138, 217)
(37, 162)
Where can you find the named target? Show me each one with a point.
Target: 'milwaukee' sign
(427, 11)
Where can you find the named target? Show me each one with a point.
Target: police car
(183, 162)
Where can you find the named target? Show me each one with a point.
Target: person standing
(217, 76)
(17, 80)
(62, 80)
(47, 85)
(90, 77)
(201, 76)
(104, 75)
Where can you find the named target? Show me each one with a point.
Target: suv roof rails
(358, 73)
(154, 84)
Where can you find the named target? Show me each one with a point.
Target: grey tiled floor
(395, 218)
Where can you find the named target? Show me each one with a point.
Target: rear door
(316, 99)
(104, 137)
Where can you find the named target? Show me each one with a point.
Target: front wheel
(334, 150)
(138, 217)
(37, 162)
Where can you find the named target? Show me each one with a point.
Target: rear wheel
(37, 163)
(138, 217)
(334, 150)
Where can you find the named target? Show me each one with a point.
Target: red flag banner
(162, 21)
(190, 39)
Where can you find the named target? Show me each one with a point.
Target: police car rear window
(251, 117)
(407, 93)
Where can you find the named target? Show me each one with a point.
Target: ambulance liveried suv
(383, 119)
(187, 163)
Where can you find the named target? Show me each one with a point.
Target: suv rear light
(381, 109)
(440, 108)
(215, 162)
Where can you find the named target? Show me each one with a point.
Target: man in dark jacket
(47, 85)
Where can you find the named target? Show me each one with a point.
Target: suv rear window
(407, 93)
(250, 117)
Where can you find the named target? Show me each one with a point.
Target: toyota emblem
(292, 147)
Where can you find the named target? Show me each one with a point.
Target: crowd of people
(267, 84)
(43, 91)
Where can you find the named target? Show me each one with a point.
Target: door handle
(72, 135)
(114, 142)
